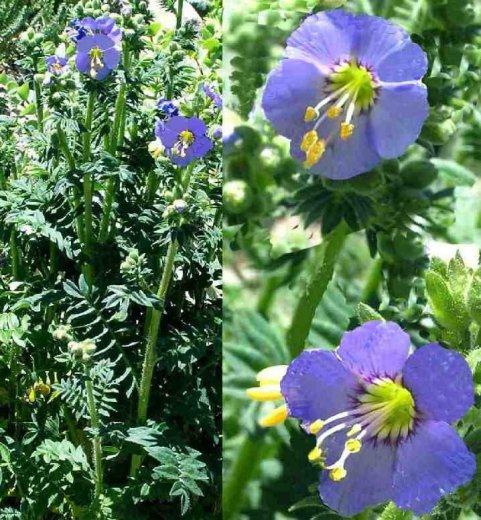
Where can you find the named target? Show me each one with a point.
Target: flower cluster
(348, 93)
(381, 417)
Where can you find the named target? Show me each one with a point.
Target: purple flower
(382, 419)
(167, 107)
(217, 132)
(97, 56)
(348, 93)
(184, 138)
(56, 65)
(212, 94)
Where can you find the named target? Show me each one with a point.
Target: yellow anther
(315, 454)
(346, 130)
(264, 393)
(314, 153)
(310, 114)
(353, 445)
(277, 416)
(337, 474)
(354, 430)
(308, 140)
(316, 426)
(333, 112)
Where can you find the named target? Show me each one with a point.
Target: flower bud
(237, 196)
(179, 205)
(62, 332)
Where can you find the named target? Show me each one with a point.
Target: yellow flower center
(357, 80)
(352, 88)
(186, 137)
(385, 410)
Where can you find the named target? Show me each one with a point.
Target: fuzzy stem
(96, 443)
(180, 7)
(64, 147)
(88, 189)
(15, 255)
(326, 256)
(150, 354)
(114, 141)
(38, 105)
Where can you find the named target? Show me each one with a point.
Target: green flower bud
(237, 196)
(418, 174)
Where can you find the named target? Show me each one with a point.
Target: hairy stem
(88, 189)
(14, 255)
(38, 104)
(114, 141)
(97, 442)
(326, 257)
(150, 349)
(180, 7)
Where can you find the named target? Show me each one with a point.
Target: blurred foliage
(400, 214)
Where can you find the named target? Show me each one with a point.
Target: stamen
(308, 140)
(353, 445)
(334, 112)
(337, 474)
(310, 114)
(315, 455)
(316, 426)
(264, 393)
(346, 131)
(271, 375)
(354, 430)
(277, 416)
(314, 153)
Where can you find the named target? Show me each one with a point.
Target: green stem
(180, 7)
(88, 189)
(53, 260)
(152, 185)
(150, 349)
(65, 149)
(243, 469)
(15, 255)
(267, 295)
(373, 280)
(326, 256)
(114, 141)
(96, 443)
(38, 105)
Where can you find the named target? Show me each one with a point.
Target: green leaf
(23, 91)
